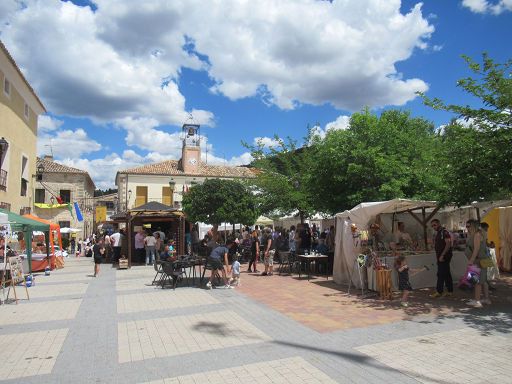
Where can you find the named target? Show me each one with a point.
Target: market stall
(21, 236)
(500, 232)
(54, 234)
(357, 258)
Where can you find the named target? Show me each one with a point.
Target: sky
(120, 77)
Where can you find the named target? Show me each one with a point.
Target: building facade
(165, 182)
(56, 191)
(19, 111)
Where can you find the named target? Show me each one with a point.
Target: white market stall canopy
(362, 215)
(69, 230)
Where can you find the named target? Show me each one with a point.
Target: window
(4, 205)
(7, 87)
(24, 175)
(24, 187)
(40, 196)
(65, 224)
(167, 195)
(141, 196)
(65, 195)
(27, 111)
(25, 211)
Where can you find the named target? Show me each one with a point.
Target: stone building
(58, 189)
(166, 181)
(19, 111)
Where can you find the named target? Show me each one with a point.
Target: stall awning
(20, 223)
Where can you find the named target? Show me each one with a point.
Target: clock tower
(191, 150)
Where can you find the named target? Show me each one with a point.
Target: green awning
(27, 226)
(20, 223)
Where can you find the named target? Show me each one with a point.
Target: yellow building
(19, 111)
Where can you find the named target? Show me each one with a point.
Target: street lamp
(39, 172)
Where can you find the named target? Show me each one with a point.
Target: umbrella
(69, 230)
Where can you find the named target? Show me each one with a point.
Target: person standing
(268, 253)
(255, 251)
(195, 240)
(476, 250)
(291, 240)
(150, 243)
(108, 247)
(140, 252)
(98, 251)
(115, 242)
(443, 248)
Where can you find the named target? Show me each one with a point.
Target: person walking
(443, 248)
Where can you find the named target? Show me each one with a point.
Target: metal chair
(159, 272)
(172, 273)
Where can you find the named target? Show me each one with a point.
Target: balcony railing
(3, 180)
(6, 206)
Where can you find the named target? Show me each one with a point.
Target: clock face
(193, 161)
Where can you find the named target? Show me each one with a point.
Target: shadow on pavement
(496, 317)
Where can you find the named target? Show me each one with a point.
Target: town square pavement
(117, 328)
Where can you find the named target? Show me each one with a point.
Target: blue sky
(119, 78)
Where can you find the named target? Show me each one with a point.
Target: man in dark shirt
(219, 255)
(443, 247)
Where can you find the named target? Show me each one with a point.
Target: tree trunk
(301, 215)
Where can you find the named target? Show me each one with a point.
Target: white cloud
(47, 123)
(66, 143)
(267, 142)
(125, 59)
(342, 122)
(486, 6)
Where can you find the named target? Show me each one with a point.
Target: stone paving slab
(56, 290)
(64, 277)
(29, 353)
(136, 284)
(291, 370)
(160, 299)
(34, 312)
(147, 339)
(459, 356)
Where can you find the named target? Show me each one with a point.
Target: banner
(79, 216)
(43, 205)
(101, 214)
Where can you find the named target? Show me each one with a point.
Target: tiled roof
(53, 167)
(171, 168)
(4, 49)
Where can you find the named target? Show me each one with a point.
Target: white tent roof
(4, 219)
(362, 213)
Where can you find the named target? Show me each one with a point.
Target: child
(403, 279)
(235, 273)
(404, 284)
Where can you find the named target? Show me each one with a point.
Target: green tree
(477, 161)
(282, 183)
(376, 158)
(217, 201)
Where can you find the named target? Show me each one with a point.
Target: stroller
(470, 278)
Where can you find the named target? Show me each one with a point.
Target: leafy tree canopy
(476, 155)
(492, 85)
(282, 185)
(376, 158)
(217, 201)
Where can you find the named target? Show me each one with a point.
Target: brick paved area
(117, 328)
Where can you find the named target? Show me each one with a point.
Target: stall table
(316, 258)
(423, 279)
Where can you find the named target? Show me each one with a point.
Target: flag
(71, 210)
(79, 216)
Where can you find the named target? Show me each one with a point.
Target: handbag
(486, 263)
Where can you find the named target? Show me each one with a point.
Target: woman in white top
(150, 243)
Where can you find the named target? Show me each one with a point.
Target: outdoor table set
(290, 263)
(172, 272)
